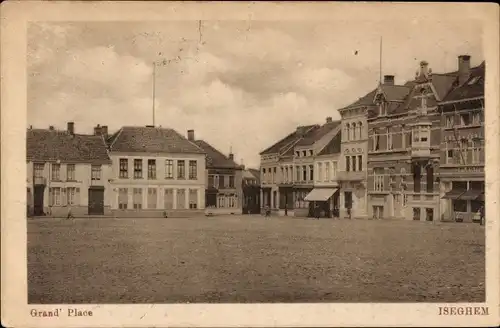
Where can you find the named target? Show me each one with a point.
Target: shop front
(325, 202)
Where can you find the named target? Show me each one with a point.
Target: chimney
(97, 130)
(329, 119)
(191, 135)
(463, 68)
(104, 131)
(71, 127)
(388, 79)
(231, 156)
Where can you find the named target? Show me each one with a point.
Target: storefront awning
(454, 194)
(320, 194)
(471, 194)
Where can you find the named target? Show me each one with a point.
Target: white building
(156, 171)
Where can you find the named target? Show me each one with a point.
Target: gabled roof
(152, 140)
(395, 92)
(215, 159)
(251, 174)
(53, 145)
(289, 141)
(333, 147)
(366, 100)
(472, 88)
(316, 134)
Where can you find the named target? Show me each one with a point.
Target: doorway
(96, 200)
(38, 200)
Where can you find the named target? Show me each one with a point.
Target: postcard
(268, 164)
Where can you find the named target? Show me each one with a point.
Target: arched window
(347, 131)
(360, 130)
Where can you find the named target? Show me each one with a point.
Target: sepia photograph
(202, 160)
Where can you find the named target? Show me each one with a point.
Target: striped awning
(320, 194)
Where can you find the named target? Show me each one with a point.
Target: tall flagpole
(380, 67)
(154, 90)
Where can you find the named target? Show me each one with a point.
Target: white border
(15, 311)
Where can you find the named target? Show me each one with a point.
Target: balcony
(351, 175)
(39, 181)
(420, 151)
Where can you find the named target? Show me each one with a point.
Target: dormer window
(310, 153)
(297, 153)
(304, 153)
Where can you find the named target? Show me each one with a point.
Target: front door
(96, 201)
(38, 200)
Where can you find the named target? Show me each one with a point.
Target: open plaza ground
(251, 259)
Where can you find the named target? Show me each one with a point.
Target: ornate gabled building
(462, 159)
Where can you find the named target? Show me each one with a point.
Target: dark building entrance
(38, 200)
(251, 199)
(96, 200)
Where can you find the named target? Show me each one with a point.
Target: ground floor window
(429, 214)
(460, 205)
(475, 206)
(55, 198)
(300, 201)
(193, 198)
(416, 213)
(348, 199)
(72, 195)
(378, 212)
(122, 198)
(168, 199)
(152, 198)
(181, 199)
(137, 198)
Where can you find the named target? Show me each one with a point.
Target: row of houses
(410, 151)
(136, 171)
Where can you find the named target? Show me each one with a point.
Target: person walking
(317, 212)
(70, 214)
(481, 213)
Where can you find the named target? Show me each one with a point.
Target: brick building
(67, 171)
(462, 152)
(224, 186)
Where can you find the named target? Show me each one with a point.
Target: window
(193, 198)
(476, 150)
(55, 196)
(151, 169)
(347, 199)
(181, 169)
(310, 153)
(360, 130)
(297, 153)
(70, 172)
(460, 205)
(311, 172)
(464, 146)
(348, 131)
(360, 162)
(193, 170)
(476, 118)
(231, 181)
(408, 139)
(378, 179)
(449, 156)
(122, 198)
(221, 201)
(56, 170)
(297, 172)
(96, 172)
(320, 171)
(353, 162)
(169, 169)
(137, 198)
(465, 119)
(123, 168)
(152, 198)
(304, 173)
(327, 172)
(304, 153)
(211, 181)
(377, 142)
(168, 199)
(73, 195)
(38, 170)
(430, 178)
(424, 134)
(181, 199)
(221, 182)
(137, 168)
(449, 121)
(417, 176)
(334, 169)
(347, 163)
(416, 213)
(390, 144)
(274, 174)
(405, 200)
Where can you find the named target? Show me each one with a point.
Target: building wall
(82, 181)
(160, 183)
(237, 190)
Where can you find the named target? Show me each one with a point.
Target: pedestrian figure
(481, 213)
(70, 214)
(349, 213)
(268, 211)
(317, 212)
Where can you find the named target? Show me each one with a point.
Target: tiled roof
(442, 83)
(286, 143)
(472, 88)
(317, 134)
(151, 139)
(252, 174)
(52, 145)
(333, 147)
(215, 159)
(366, 100)
(395, 92)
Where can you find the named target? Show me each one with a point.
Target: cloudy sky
(243, 84)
